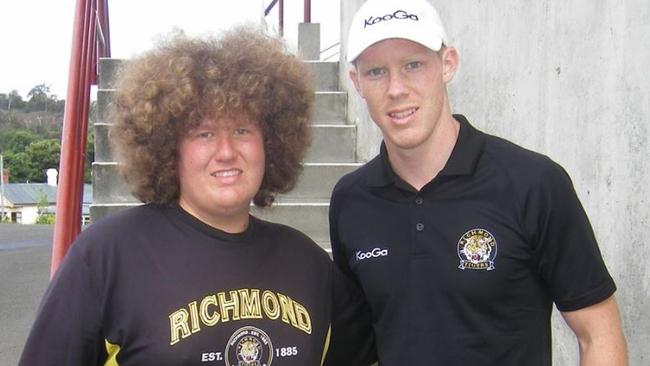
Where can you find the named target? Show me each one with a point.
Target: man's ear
(354, 76)
(450, 61)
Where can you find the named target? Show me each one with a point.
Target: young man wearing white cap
(462, 241)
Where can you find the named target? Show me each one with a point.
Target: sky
(35, 35)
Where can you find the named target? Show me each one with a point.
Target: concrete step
(317, 181)
(103, 149)
(108, 185)
(331, 143)
(107, 70)
(330, 107)
(315, 184)
(104, 98)
(310, 218)
(326, 73)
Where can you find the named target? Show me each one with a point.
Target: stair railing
(90, 40)
(280, 3)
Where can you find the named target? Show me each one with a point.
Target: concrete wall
(569, 79)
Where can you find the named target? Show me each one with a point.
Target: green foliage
(10, 119)
(17, 165)
(30, 132)
(42, 204)
(90, 155)
(42, 155)
(39, 98)
(31, 164)
(11, 101)
(14, 140)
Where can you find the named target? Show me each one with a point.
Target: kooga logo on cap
(399, 14)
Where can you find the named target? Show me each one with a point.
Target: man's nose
(225, 149)
(396, 85)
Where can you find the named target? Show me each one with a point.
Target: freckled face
(220, 169)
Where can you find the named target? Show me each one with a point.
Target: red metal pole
(307, 11)
(90, 78)
(281, 17)
(102, 9)
(66, 228)
(82, 119)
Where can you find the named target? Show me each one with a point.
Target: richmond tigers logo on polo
(477, 250)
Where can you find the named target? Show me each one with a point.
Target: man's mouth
(402, 114)
(226, 173)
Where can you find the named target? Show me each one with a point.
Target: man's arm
(599, 333)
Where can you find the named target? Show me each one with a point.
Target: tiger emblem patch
(477, 250)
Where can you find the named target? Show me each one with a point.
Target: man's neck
(418, 166)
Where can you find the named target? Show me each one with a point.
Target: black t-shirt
(465, 271)
(155, 286)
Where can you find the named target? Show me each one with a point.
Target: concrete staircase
(331, 155)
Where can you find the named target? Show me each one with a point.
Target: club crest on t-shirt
(249, 346)
(477, 249)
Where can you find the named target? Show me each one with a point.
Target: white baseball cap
(377, 20)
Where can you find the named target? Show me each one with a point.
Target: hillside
(30, 134)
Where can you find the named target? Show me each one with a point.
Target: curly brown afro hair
(167, 91)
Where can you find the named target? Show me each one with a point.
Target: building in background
(24, 202)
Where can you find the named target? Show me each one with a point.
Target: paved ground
(25, 252)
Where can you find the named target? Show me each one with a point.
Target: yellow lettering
(270, 305)
(194, 317)
(249, 301)
(228, 305)
(236, 305)
(178, 325)
(209, 319)
(304, 320)
(288, 313)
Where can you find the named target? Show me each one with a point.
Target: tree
(10, 119)
(42, 155)
(18, 166)
(15, 101)
(39, 98)
(44, 217)
(90, 155)
(14, 140)
(31, 164)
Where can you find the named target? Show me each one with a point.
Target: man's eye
(413, 65)
(205, 135)
(241, 131)
(375, 72)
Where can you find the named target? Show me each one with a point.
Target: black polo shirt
(465, 271)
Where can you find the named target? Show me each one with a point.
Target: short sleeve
(352, 340)
(566, 251)
(338, 251)
(67, 328)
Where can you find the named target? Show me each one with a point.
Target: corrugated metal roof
(30, 193)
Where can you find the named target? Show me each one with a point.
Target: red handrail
(82, 74)
(306, 13)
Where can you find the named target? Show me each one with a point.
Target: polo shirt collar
(462, 161)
